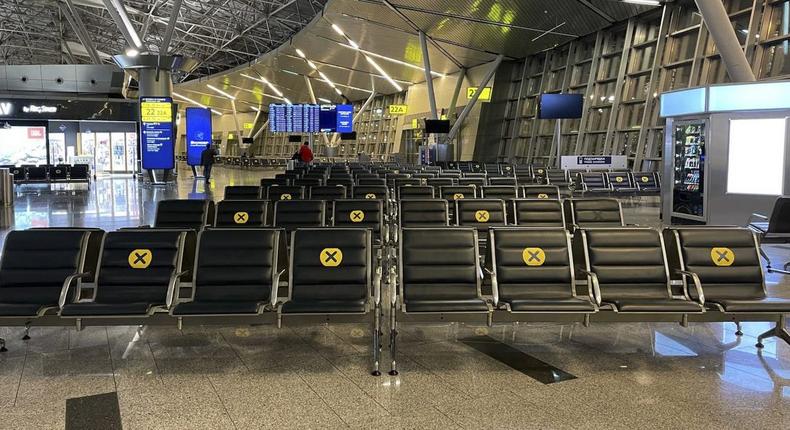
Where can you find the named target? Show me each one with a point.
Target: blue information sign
(156, 133)
(345, 118)
(198, 133)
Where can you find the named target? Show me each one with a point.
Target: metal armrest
(275, 287)
(377, 286)
(592, 278)
(172, 290)
(760, 216)
(494, 285)
(697, 284)
(64, 292)
(392, 282)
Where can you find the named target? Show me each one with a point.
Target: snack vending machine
(689, 201)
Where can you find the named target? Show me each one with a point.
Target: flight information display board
(156, 133)
(310, 118)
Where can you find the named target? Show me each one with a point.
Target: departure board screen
(310, 118)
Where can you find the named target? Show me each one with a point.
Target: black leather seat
(593, 182)
(59, 172)
(502, 180)
(37, 174)
(35, 266)
(309, 182)
(371, 181)
(436, 183)
(621, 182)
(186, 214)
(378, 192)
(533, 271)
(538, 213)
(294, 214)
(361, 213)
(647, 182)
(540, 192)
(439, 271)
(241, 214)
(345, 181)
(138, 272)
(420, 213)
(406, 182)
(415, 192)
(480, 213)
(235, 273)
(242, 192)
(629, 267)
(331, 272)
(328, 193)
(502, 192)
(457, 192)
(773, 229)
(478, 183)
(586, 213)
(282, 192)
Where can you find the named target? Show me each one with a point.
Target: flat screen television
(246, 140)
(560, 106)
(294, 139)
(348, 136)
(437, 126)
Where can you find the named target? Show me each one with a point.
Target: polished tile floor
(629, 376)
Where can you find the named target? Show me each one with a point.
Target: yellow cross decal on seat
(285, 196)
(458, 196)
(140, 258)
(645, 179)
(722, 257)
(533, 256)
(356, 216)
(241, 217)
(540, 170)
(618, 179)
(543, 196)
(482, 216)
(331, 257)
(370, 196)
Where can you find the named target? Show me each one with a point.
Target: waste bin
(6, 187)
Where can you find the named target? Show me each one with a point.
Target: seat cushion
(571, 304)
(216, 308)
(19, 309)
(471, 305)
(657, 305)
(771, 304)
(325, 307)
(105, 309)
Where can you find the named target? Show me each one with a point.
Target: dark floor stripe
(99, 412)
(517, 359)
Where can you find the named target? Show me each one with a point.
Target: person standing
(207, 160)
(305, 153)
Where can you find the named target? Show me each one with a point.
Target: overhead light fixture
(320, 73)
(324, 100)
(219, 91)
(375, 65)
(121, 11)
(255, 109)
(287, 101)
(300, 53)
(216, 112)
(264, 81)
(338, 30)
(644, 2)
(194, 102)
(132, 52)
(352, 45)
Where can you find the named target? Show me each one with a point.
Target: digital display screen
(198, 133)
(560, 106)
(756, 159)
(156, 134)
(310, 118)
(23, 145)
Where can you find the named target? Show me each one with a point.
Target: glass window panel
(776, 60)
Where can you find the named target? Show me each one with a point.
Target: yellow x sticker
(241, 217)
(482, 216)
(285, 196)
(543, 196)
(645, 179)
(540, 170)
(458, 196)
(331, 257)
(356, 216)
(140, 258)
(370, 196)
(533, 256)
(618, 179)
(722, 257)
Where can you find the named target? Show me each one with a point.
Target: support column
(464, 113)
(718, 23)
(154, 83)
(426, 62)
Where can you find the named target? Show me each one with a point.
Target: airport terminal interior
(395, 214)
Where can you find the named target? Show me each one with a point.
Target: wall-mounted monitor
(348, 136)
(310, 118)
(437, 126)
(560, 106)
(294, 139)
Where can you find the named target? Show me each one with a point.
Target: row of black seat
(50, 173)
(403, 190)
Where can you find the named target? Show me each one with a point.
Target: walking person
(207, 160)
(305, 153)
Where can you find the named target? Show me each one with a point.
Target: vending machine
(689, 200)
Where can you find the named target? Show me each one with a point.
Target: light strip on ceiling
(266, 82)
(313, 66)
(290, 72)
(350, 45)
(219, 91)
(256, 92)
(644, 2)
(121, 11)
(194, 102)
(372, 62)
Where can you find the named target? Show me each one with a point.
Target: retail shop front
(101, 133)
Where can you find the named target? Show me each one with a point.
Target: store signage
(593, 160)
(6, 109)
(248, 125)
(156, 132)
(198, 133)
(399, 109)
(485, 96)
(39, 109)
(585, 161)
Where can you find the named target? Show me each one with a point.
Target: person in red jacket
(305, 153)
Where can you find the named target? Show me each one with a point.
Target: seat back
(290, 192)
(188, 214)
(480, 213)
(360, 213)
(503, 192)
(241, 214)
(438, 264)
(423, 212)
(779, 221)
(309, 182)
(532, 263)
(35, 263)
(415, 192)
(457, 192)
(345, 181)
(538, 213)
(242, 192)
(558, 177)
(596, 212)
(630, 262)
(726, 259)
(502, 180)
(136, 266)
(619, 180)
(328, 192)
(478, 183)
(407, 182)
(294, 214)
(235, 265)
(440, 182)
(646, 180)
(592, 180)
(376, 192)
(333, 264)
(540, 192)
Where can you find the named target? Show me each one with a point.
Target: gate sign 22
(156, 133)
